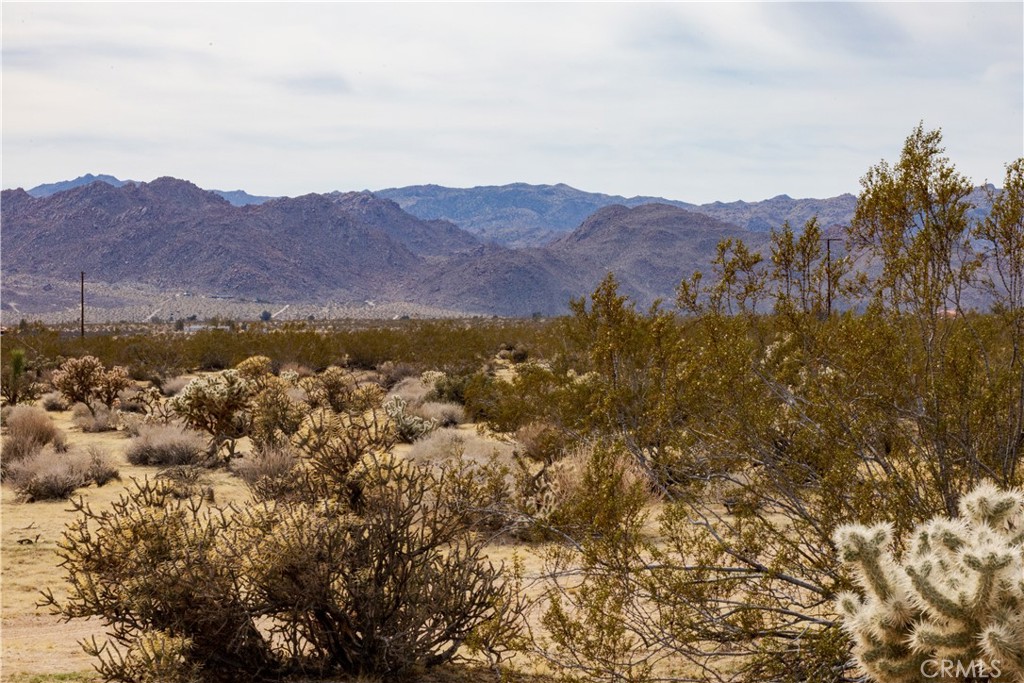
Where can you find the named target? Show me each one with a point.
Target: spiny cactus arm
(989, 562)
(906, 669)
(991, 506)
(878, 631)
(1005, 644)
(933, 598)
(954, 641)
(865, 549)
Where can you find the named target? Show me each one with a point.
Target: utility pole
(82, 330)
(828, 271)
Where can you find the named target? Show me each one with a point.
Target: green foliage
(16, 385)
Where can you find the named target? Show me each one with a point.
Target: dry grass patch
(167, 446)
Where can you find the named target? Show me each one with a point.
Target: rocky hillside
(535, 215)
(172, 236)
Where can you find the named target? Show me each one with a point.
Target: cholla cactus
(953, 609)
(255, 369)
(219, 405)
(409, 427)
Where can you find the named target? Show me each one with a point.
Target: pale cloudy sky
(691, 101)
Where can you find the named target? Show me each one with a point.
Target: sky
(690, 101)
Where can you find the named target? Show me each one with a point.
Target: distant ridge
(62, 186)
(236, 197)
(172, 235)
(533, 215)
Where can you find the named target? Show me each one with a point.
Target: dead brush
(49, 475)
(29, 429)
(167, 446)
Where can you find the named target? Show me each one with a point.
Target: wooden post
(82, 331)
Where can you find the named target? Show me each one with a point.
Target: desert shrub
(93, 418)
(187, 481)
(166, 446)
(271, 473)
(48, 475)
(101, 469)
(412, 390)
(219, 405)
(957, 596)
(392, 372)
(446, 444)
(540, 442)
(173, 386)
(29, 429)
(323, 584)
(442, 414)
(586, 492)
(408, 427)
(29, 423)
(134, 400)
(54, 402)
(447, 387)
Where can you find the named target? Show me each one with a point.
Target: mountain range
(512, 250)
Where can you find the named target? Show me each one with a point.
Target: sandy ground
(37, 646)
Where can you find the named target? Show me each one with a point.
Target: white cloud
(695, 101)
